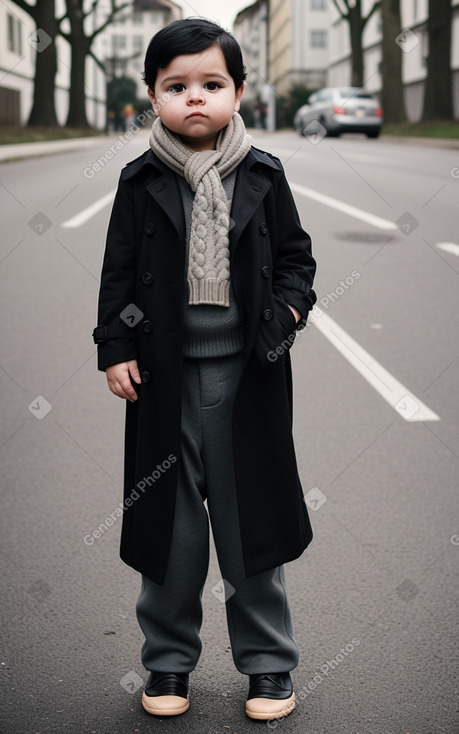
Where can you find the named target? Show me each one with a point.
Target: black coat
(271, 265)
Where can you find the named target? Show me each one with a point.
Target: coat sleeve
(117, 284)
(294, 265)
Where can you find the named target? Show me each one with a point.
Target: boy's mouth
(196, 114)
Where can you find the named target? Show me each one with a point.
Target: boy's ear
(151, 96)
(237, 102)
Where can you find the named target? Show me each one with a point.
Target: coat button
(147, 278)
(265, 271)
(145, 376)
(147, 326)
(267, 314)
(264, 229)
(149, 228)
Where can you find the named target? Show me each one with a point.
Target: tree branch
(376, 6)
(98, 61)
(92, 9)
(110, 18)
(342, 13)
(30, 9)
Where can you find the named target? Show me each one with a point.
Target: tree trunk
(77, 93)
(43, 112)
(438, 102)
(356, 31)
(392, 97)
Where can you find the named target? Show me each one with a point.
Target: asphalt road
(375, 596)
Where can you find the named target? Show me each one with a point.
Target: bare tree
(438, 102)
(43, 111)
(351, 11)
(392, 97)
(80, 43)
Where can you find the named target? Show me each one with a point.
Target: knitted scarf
(208, 259)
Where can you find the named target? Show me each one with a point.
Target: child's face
(196, 97)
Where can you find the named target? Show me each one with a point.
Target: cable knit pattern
(208, 260)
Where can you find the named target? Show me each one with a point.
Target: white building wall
(305, 20)
(414, 68)
(251, 33)
(17, 69)
(17, 65)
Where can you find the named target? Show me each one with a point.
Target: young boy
(207, 275)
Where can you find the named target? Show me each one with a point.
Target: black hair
(191, 36)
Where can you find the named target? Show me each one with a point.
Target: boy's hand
(118, 379)
(295, 312)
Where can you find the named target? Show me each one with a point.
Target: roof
(247, 12)
(154, 5)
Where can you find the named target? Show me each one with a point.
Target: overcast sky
(224, 11)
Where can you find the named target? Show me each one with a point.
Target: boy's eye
(212, 86)
(176, 88)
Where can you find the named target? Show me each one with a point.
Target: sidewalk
(19, 151)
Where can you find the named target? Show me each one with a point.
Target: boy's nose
(195, 97)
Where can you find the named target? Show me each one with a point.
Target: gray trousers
(257, 610)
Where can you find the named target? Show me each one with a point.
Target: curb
(19, 151)
(400, 139)
(427, 142)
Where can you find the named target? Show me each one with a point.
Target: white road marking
(341, 206)
(89, 212)
(397, 395)
(449, 247)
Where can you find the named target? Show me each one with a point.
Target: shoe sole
(287, 708)
(159, 711)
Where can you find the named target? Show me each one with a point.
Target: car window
(324, 96)
(347, 93)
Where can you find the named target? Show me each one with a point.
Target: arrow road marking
(397, 395)
(89, 212)
(341, 206)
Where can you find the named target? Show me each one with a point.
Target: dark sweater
(209, 331)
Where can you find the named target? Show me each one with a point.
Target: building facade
(19, 45)
(120, 48)
(124, 43)
(299, 43)
(250, 29)
(414, 15)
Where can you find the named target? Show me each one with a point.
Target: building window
(137, 18)
(155, 17)
(318, 39)
(14, 34)
(137, 43)
(318, 4)
(118, 43)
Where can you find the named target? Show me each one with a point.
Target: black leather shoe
(270, 696)
(166, 694)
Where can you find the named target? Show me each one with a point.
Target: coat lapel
(164, 189)
(249, 190)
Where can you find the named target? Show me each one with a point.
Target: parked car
(340, 110)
